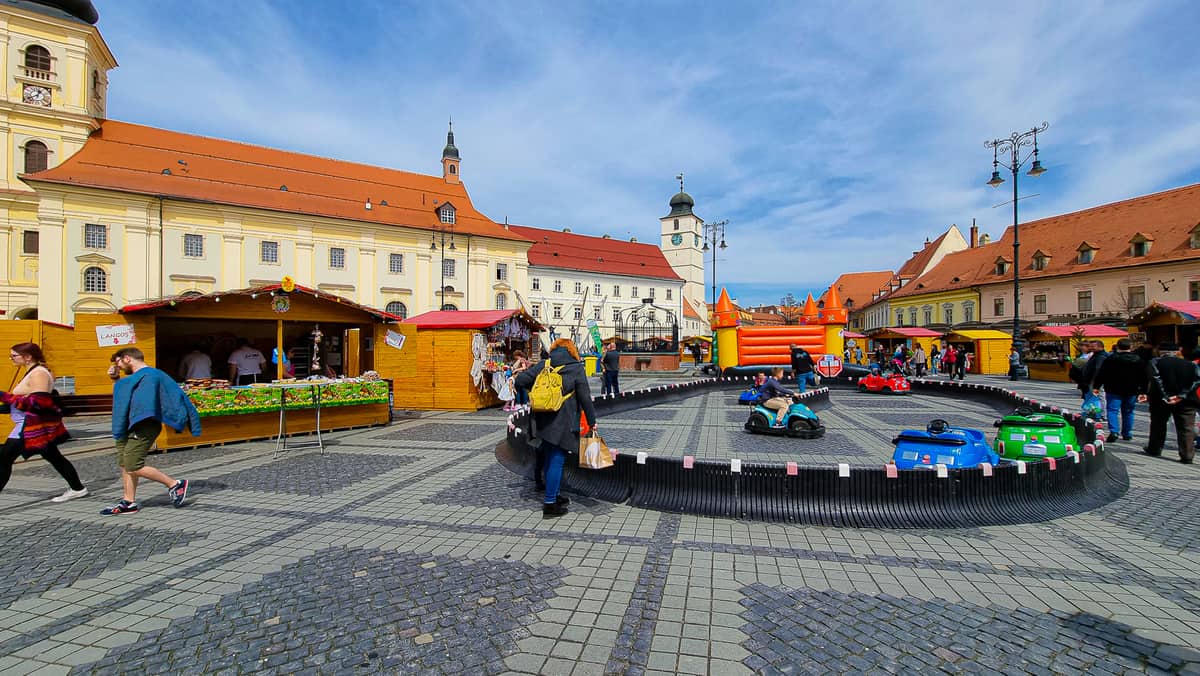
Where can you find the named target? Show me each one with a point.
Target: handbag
(594, 453)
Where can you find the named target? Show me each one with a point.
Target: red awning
(913, 332)
(466, 319)
(1089, 331)
(254, 290)
(851, 334)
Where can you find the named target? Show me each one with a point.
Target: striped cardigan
(43, 420)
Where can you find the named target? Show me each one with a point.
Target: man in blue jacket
(142, 403)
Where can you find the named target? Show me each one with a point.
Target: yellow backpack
(547, 393)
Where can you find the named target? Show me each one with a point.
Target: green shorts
(132, 450)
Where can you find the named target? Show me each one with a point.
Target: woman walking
(558, 431)
(37, 421)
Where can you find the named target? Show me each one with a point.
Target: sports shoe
(553, 510)
(122, 507)
(179, 492)
(1112, 437)
(70, 494)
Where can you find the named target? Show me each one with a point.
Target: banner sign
(115, 334)
(394, 339)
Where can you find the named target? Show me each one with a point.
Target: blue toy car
(799, 421)
(942, 444)
(749, 397)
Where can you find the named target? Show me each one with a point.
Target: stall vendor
(246, 364)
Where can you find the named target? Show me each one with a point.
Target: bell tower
(450, 158)
(683, 242)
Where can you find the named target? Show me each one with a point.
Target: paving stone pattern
(805, 631)
(346, 610)
(407, 549)
(53, 553)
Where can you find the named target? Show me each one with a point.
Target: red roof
(570, 251)
(1187, 308)
(1089, 331)
(267, 288)
(148, 161)
(689, 311)
(913, 332)
(920, 259)
(465, 319)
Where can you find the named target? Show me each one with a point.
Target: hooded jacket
(1122, 374)
(561, 427)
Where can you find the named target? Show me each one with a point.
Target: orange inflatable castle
(754, 347)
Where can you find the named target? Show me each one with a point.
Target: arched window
(37, 57)
(449, 306)
(95, 280)
(453, 169)
(501, 301)
(37, 157)
(397, 308)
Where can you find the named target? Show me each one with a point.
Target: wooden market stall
(1051, 348)
(989, 349)
(1172, 321)
(855, 342)
(458, 354)
(57, 343)
(912, 336)
(332, 341)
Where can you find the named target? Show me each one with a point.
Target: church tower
(682, 244)
(450, 159)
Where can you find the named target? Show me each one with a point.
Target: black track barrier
(1008, 494)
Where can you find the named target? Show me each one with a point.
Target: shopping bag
(1093, 406)
(594, 453)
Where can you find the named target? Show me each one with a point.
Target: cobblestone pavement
(407, 549)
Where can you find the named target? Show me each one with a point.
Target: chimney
(633, 239)
(984, 239)
(974, 234)
(606, 236)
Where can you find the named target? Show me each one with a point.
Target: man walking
(1171, 378)
(1123, 377)
(142, 403)
(611, 362)
(802, 367)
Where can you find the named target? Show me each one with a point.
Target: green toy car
(1026, 435)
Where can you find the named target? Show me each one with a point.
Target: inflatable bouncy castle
(749, 349)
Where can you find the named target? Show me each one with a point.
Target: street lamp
(1013, 145)
(434, 245)
(712, 233)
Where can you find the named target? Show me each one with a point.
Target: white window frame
(578, 312)
(535, 283)
(449, 268)
(1080, 296)
(103, 280)
(501, 274)
(558, 286)
(446, 214)
(396, 264)
(669, 294)
(998, 306)
(337, 258)
(263, 246)
(191, 238)
(616, 290)
(103, 234)
(578, 288)
(536, 310)
(501, 301)
(596, 289)
(403, 313)
(1129, 296)
(557, 312)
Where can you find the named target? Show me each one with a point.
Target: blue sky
(834, 137)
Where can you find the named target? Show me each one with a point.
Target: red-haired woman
(37, 421)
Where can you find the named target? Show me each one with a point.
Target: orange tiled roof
(571, 251)
(1168, 217)
(916, 265)
(132, 158)
(858, 287)
(690, 312)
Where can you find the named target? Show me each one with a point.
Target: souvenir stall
(900, 335)
(855, 342)
(1172, 321)
(463, 357)
(326, 363)
(1051, 348)
(989, 349)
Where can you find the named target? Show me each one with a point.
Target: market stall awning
(979, 334)
(851, 334)
(1081, 330)
(1188, 311)
(215, 296)
(905, 332)
(467, 319)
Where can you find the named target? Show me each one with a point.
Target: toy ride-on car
(941, 444)
(888, 382)
(1026, 435)
(749, 397)
(798, 421)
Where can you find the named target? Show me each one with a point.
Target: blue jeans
(555, 457)
(803, 380)
(611, 385)
(1121, 408)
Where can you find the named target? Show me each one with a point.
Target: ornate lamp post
(1013, 145)
(438, 241)
(712, 233)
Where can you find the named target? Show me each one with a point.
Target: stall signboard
(394, 339)
(115, 334)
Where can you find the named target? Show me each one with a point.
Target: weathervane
(680, 179)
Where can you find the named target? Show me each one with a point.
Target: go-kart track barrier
(841, 495)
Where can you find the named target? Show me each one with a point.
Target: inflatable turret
(755, 348)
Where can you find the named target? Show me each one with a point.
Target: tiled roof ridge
(1110, 205)
(549, 231)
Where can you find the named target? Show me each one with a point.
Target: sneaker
(71, 494)
(553, 510)
(179, 492)
(1128, 438)
(1112, 437)
(122, 507)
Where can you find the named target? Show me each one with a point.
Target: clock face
(35, 95)
(677, 239)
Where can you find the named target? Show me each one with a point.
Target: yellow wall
(958, 300)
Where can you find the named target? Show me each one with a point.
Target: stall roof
(466, 319)
(981, 334)
(1188, 309)
(1089, 331)
(910, 332)
(851, 334)
(267, 288)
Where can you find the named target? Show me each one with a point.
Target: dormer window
(1002, 265)
(1085, 253)
(1195, 240)
(1139, 245)
(446, 214)
(1040, 260)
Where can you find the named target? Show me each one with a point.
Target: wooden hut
(1051, 348)
(1176, 322)
(989, 347)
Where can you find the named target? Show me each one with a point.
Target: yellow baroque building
(124, 213)
(911, 307)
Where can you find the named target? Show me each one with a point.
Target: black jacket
(1092, 368)
(802, 361)
(611, 361)
(1123, 374)
(1177, 376)
(561, 427)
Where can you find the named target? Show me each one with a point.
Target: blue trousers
(803, 380)
(1120, 408)
(555, 457)
(611, 384)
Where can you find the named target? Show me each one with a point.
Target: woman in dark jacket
(558, 432)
